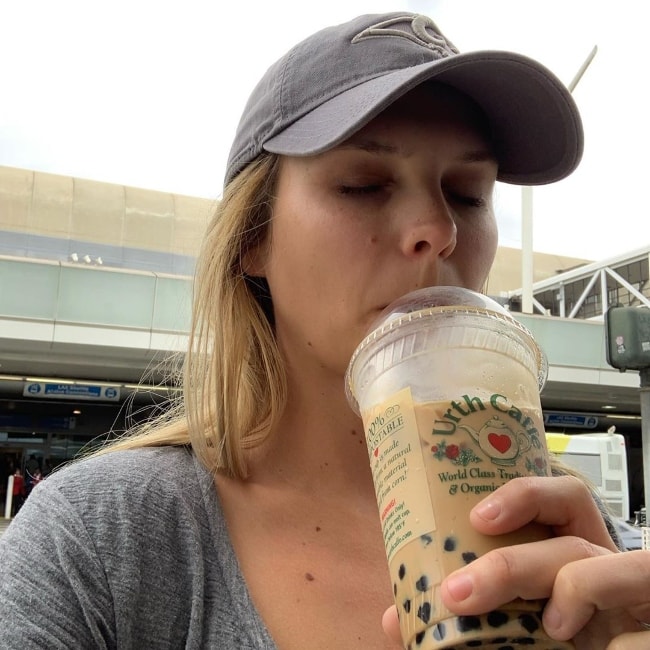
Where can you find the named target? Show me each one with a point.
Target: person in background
(19, 492)
(32, 464)
(363, 168)
(31, 468)
(47, 468)
(37, 477)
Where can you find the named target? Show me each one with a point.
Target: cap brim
(535, 123)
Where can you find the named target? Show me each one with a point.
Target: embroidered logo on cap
(417, 29)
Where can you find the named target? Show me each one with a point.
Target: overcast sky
(148, 94)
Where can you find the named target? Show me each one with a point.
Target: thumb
(390, 623)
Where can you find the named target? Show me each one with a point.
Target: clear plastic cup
(448, 385)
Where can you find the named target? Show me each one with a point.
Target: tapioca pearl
(529, 623)
(401, 571)
(468, 623)
(424, 612)
(394, 589)
(450, 544)
(422, 583)
(426, 539)
(524, 640)
(497, 618)
(439, 631)
(473, 644)
(506, 647)
(407, 605)
(469, 556)
(419, 637)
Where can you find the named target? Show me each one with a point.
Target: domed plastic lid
(427, 302)
(439, 297)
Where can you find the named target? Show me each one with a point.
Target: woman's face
(404, 203)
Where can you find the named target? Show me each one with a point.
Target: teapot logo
(500, 443)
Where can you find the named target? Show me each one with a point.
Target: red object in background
(19, 485)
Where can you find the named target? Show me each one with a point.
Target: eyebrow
(373, 146)
(481, 155)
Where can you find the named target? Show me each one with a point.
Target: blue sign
(576, 420)
(72, 391)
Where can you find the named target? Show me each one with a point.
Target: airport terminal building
(95, 287)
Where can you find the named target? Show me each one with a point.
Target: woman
(362, 169)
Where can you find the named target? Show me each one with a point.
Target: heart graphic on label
(376, 452)
(500, 442)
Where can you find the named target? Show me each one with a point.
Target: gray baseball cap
(333, 83)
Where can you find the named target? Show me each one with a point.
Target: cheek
(314, 240)
(306, 252)
(475, 252)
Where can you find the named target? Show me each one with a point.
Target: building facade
(95, 286)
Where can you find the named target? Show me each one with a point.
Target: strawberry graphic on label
(457, 454)
(537, 465)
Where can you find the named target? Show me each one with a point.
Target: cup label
(435, 450)
(398, 472)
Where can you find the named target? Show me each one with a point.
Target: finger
(563, 503)
(607, 582)
(390, 623)
(523, 571)
(630, 641)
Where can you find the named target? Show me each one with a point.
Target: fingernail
(488, 510)
(552, 617)
(459, 586)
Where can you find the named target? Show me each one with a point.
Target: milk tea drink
(447, 384)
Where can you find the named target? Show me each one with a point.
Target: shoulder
(127, 461)
(140, 489)
(118, 503)
(120, 539)
(122, 471)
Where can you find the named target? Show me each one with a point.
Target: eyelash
(360, 190)
(365, 190)
(470, 201)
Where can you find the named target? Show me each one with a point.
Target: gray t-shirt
(126, 550)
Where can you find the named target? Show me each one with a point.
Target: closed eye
(360, 189)
(471, 201)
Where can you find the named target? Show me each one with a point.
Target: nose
(429, 228)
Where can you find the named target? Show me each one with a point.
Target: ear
(254, 260)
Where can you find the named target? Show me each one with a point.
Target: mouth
(394, 297)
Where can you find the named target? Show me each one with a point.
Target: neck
(318, 446)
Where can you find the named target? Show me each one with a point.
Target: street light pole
(644, 396)
(527, 249)
(583, 67)
(527, 216)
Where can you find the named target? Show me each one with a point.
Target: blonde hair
(234, 384)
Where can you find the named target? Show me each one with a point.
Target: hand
(597, 595)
